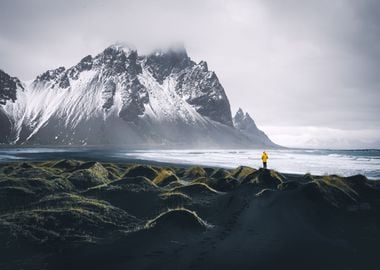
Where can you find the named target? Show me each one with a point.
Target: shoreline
(290, 175)
(316, 162)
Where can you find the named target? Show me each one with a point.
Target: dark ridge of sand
(72, 214)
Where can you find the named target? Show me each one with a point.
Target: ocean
(300, 161)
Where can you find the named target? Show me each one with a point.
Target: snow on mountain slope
(165, 104)
(119, 97)
(9, 89)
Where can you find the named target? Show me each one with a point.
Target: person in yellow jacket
(264, 158)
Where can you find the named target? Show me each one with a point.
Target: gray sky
(308, 72)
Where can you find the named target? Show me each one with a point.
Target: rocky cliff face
(246, 125)
(119, 97)
(8, 94)
(8, 87)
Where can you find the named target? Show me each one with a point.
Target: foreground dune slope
(71, 214)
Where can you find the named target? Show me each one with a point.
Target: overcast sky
(308, 72)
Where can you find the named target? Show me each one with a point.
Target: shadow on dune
(90, 215)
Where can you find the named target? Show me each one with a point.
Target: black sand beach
(71, 214)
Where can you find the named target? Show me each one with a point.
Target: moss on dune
(38, 185)
(331, 190)
(220, 184)
(174, 185)
(264, 178)
(112, 208)
(179, 218)
(66, 164)
(351, 186)
(169, 194)
(202, 179)
(165, 177)
(136, 195)
(338, 182)
(32, 171)
(67, 217)
(194, 172)
(194, 189)
(89, 175)
(179, 171)
(175, 199)
(226, 184)
(26, 184)
(307, 177)
(100, 185)
(139, 183)
(141, 170)
(242, 172)
(289, 185)
(220, 173)
(115, 171)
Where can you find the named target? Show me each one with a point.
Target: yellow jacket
(264, 157)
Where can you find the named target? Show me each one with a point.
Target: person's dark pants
(264, 165)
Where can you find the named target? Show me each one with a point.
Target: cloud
(319, 137)
(288, 63)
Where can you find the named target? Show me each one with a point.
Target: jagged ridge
(120, 97)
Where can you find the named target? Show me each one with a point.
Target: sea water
(317, 162)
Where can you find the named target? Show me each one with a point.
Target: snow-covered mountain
(118, 97)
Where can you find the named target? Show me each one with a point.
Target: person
(264, 158)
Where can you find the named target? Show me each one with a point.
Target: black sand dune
(71, 214)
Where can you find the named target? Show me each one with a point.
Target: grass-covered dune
(71, 214)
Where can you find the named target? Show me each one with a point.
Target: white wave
(288, 161)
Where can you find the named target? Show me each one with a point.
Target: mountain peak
(239, 113)
(8, 87)
(121, 46)
(171, 54)
(244, 121)
(203, 65)
(116, 51)
(175, 49)
(161, 63)
(119, 97)
(53, 77)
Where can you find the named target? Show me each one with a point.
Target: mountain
(9, 87)
(245, 124)
(118, 97)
